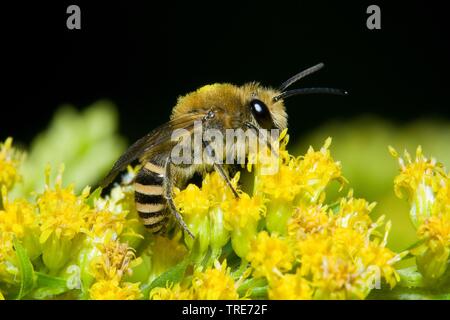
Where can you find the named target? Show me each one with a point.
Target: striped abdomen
(149, 196)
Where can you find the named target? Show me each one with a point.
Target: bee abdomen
(149, 196)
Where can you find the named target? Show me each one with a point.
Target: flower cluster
(426, 185)
(281, 238)
(287, 239)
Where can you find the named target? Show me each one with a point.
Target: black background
(142, 56)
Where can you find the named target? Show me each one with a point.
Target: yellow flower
(108, 215)
(1, 296)
(285, 184)
(8, 264)
(115, 261)
(307, 220)
(192, 201)
(172, 292)
(217, 189)
(62, 213)
(318, 169)
(290, 287)
(214, 284)
(17, 216)
(10, 160)
(432, 256)
(419, 179)
(354, 213)
(381, 260)
(299, 181)
(63, 218)
(241, 217)
(436, 231)
(428, 189)
(194, 205)
(19, 219)
(270, 255)
(344, 263)
(112, 290)
(243, 211)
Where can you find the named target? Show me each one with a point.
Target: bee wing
(151, 143)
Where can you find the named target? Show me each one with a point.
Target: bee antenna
(299, 76)
(296, 92)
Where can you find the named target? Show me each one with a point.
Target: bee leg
(219, 169)
(169, 197)
(250, 126)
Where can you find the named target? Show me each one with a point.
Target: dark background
(142, 57)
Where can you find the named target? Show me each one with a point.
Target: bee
(218, 106)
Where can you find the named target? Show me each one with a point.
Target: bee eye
(261, 114)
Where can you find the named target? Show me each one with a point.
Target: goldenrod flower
(428, 188)
(107, 215)
(298, 180)
(307, 220)
(284, 238)
(18, 218)
(344, 263)
(109, 268)
(285, 184)
(116, 260)
(419, 180)
(354, 213)
(194, 204)
(218, 192)
(433, 255)
(217, 189)
(270, 255)
(290, 287)
(113, 290)
(8, 262)
(172, 292)
(241, 217)
(10, 160)
(318, 169)
(214, 284)
(63, 216)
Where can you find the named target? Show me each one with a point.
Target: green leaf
(251, 284)
(27, 277)
(410, 278)
(173, 275)
(402, 293)
(259, 292)
(44, 280)
(49, 286)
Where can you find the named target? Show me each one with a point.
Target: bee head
(250, 104)
(266, 105)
